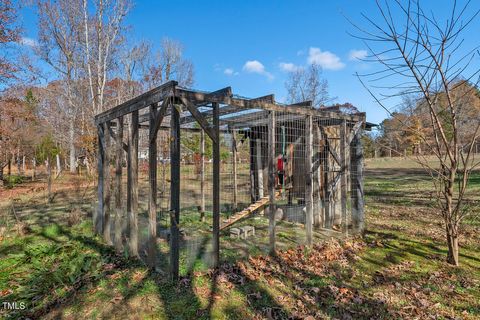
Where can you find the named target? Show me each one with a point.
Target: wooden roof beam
(142, 101)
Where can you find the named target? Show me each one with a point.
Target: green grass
(399, 271)
(12, 180)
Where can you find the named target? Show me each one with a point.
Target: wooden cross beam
(159, 115)
(200, 119)
(354, 131)
(144, 100)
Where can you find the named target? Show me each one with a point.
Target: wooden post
(129, 183)
(343, 177)
(234, 168)
(308, 179)
(118, 184)
(326, 182)
(174, 192)
(133, 183)
(99, 217)
(202, 175)
(258, 157)
(152, 192)
(271, 179)
(356, 180)
(252, 168)
(216, 186)
(317, 196)
(107, 193)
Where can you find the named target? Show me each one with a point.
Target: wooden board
(247, 211)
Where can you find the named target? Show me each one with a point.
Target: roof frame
(230, 105)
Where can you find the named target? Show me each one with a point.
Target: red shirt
(280, 164)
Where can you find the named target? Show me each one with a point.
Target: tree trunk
(59, 167)
(19, 164)
(49, 181)
(72, 148)
(34, 168)
(1, 176)
(452, 242)
(24, 166)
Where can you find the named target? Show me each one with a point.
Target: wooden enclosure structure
(299, 135)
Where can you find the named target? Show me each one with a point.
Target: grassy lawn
(60, 270)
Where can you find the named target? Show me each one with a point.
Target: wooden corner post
(152, 192)
(309, 179)
(175, 192)
(100, 215)
(216, 185)
(118, 185)
(271, 180)
(234, 170)
(356, 183)
(132, 183)
(343, 178)
(202, 176)
(107, 193)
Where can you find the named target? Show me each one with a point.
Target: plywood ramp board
(247, 211)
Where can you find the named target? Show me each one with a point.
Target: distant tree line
(408, 131)
(88, 65)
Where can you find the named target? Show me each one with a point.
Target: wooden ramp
(262, 202)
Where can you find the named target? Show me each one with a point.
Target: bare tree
(102, 31)
(60, 46)
(169, 64)
(423, 55)
(9, 34)
(308, 85)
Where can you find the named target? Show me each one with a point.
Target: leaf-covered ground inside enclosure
(61, 270)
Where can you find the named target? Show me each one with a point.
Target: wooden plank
(202, 175)
(129, 180)
(133, 172)
(252, 168)
(160, 114)
(327, 194)
(118, 185)
(257, 205)
(107, 192)
(245, 212)
(271, 180)
(234, 169)
(270, 98)
(216, 186)
(152, 192)
(99, 218)
(317, 195)
(354, 131)
(307, 103)
(308, 179)
(153, 96)
(224, 92)
(343, 177)
(200, 119)
(175, 154)
(356, 180)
